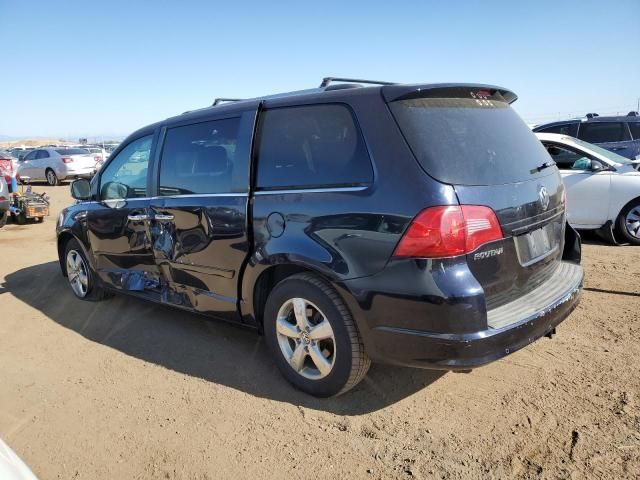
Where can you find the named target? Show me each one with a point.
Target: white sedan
(56, 164)
(603, 188)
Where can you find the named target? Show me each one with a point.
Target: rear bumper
(515, 325)
(78, 173)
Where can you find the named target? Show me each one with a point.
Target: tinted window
(568, 159)
(470, 141)
(126, 174)
(199, 158)
(31, 155)
(635, 130)
(42, 154)
(570, 129)
(311, 146)
(601, 132)
(72, 151)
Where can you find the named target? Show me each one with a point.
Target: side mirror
(81, 189)
(596, 167)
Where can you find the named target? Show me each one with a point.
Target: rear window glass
(311, 146)
(570, 129)
(603, 132)
(72, 151)
(470, 141)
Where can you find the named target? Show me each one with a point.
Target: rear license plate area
(537, 244)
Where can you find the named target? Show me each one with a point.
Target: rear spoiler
(392, 93)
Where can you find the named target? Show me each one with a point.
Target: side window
(635, 130)
(126, 175)
(199, 158)
(603, 132)
(311, 146)
(568, 159)
(42, 154)
(30, 155)
(570, 129)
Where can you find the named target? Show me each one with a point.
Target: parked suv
(419, 225)
(620, 135)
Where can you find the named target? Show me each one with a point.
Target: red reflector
(449, 231)
(67, 159)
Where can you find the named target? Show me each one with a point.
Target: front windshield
(613, 157)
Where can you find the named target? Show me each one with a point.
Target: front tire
(628, 223)
(52, 178)
(81, 277)
(313, 337)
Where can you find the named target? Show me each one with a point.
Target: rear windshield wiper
(548, 164)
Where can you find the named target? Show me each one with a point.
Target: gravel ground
(125, 389)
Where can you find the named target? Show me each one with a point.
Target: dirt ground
(123, 389)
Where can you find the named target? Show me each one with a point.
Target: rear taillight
(98, 158)
(448, 231)
(67, 159)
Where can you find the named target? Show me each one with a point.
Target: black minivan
(418, 225)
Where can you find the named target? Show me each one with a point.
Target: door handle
(138, 218)
(163, 217)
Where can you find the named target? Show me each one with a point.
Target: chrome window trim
(192, 195)
(312, 190)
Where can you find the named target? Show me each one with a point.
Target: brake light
(98, 158)
(449, 231)
(67, 159)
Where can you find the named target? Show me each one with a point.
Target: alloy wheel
(51, 177)
(306, 338)
(78, 273)
(632, 222)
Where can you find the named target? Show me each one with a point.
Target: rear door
(198, 218)
(614, 136)
(471, 138)
(117, 227)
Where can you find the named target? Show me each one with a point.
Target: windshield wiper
(548, 164)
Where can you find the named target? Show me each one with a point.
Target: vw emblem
(543, 196)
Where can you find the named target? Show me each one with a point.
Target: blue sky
(109, 67)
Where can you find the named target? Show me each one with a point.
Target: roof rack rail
(327, 80)
(220, 100)
(633, 113)
(592, 115)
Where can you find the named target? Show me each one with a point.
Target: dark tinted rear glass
(72, 151)
(635, 130)
(311, 146)
(603, 132)
(470, 141)
(570, 129)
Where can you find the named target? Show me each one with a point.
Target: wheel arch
(64, 238)
(259, 281)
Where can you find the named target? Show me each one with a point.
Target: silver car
(57, 164)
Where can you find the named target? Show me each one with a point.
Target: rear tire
(52, 178)
(3, 218)
(21, 218)
(628, 223)
(313, 337)
(82, 278)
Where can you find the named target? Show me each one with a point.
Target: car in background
(100, 154)
(603, 188)
(7, 165)
(620, 135)
(4, 201)
(56, 164)
(20, 153)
